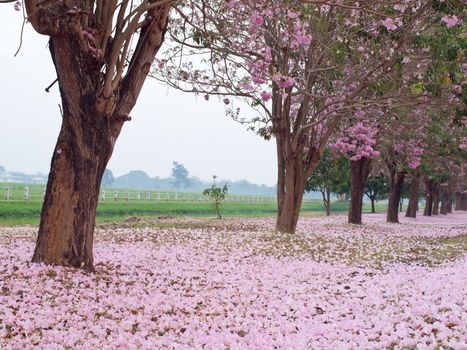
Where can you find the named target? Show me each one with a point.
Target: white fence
(108, 195)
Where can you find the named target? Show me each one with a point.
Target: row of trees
(369, 77)
(438, 195)
(313, 72)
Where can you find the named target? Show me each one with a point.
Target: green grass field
(18, 211)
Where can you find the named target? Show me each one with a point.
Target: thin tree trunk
(373, 209)
(401, 205)
(449, 198)
(435, 199)
(444, 199)
(428, 198)
(359, 171)
(461, 201)
(413, 196)
(395, 192)
(326, 201)
(217, 208)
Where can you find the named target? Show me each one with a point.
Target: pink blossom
(451, 21)
(265, 96)
(257, 19)
(389, 24)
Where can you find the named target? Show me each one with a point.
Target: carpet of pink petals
(236, 284)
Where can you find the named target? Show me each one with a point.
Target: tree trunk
(435, 199)
(91, 123)
(83, 149)
(428, 198)
(461, 201)
(68, 213)
(359, 171)
(328, 195)
(444, 199)
(326, 201)
(290, 189)
(413, 197)
(372, 199)
(449, 198)
(395, 192)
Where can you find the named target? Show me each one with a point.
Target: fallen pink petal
(237, 284)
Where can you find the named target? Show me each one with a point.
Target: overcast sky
(167, 125)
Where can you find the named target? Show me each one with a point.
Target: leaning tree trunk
(435, 199)
(428, 198)
(84, 147)
(395, 192)
(359, 171)
(326, 193)
(91, 123)
(413, 196)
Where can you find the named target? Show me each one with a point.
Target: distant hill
(15, 176)
(138, 179)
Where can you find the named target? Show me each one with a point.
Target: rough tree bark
(91, 121)
(290, 189)
(428, 197)
(359, 171)
(396, 180)
(291, 181)
(413, 196)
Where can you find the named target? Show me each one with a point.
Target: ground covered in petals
(236, 284)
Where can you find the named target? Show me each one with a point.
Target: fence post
(158, 196)
(176, 196)
(103, 195)
(127, 196)
(148, 196)
(26, 193)
(43, 192)
(116, 196)
(138, 196)
(7, 193)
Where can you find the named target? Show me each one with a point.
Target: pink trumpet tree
(358, 144)
(102, 52)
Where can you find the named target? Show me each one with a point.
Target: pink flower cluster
(451, 21)
(357, 142)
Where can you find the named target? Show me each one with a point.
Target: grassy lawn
(20, 212)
